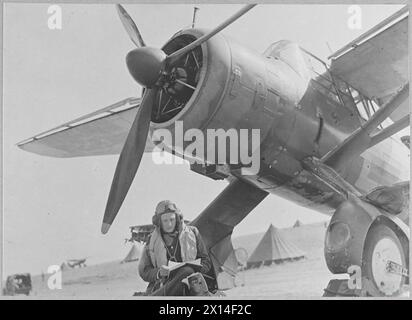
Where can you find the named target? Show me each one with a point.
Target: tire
(382, 244)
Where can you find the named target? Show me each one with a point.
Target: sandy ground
(303, 279)
(293, 280)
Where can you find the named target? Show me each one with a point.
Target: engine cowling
(232, 88)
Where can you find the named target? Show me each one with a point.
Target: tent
(133, 255)
(274, 248)
(297, 224)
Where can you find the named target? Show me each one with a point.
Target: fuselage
(298, 115)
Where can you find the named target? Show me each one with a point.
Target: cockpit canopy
(290, 53)
(308, 66)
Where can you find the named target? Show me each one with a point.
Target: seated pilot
(172, 240)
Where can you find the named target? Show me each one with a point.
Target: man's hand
(163, 272)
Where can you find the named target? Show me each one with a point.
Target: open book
(176, 265)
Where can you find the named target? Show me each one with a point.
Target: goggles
(167, 207)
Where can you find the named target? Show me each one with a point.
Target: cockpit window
(308, 65)
(290, 53)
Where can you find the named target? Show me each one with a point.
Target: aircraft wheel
(382, 245)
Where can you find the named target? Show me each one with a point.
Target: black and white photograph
(209, 151)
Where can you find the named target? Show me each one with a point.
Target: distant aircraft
(326, 136)
(73, 263)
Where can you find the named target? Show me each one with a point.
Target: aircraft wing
(102, 132)
(376, 63)
(217, 221)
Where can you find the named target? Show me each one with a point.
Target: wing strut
(390, 131)
(360, 140)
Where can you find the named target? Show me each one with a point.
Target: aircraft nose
(145, 65)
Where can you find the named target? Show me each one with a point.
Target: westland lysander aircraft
(326, 137)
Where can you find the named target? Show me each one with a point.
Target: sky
(53, 208)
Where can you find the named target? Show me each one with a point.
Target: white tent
(133, 255)
(274, 248)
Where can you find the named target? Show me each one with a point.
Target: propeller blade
(129, 159)
(130, 27)
(175, 56)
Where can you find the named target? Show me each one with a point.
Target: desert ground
(303, 279)
(295, 280)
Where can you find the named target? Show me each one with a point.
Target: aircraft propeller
(151, 68)
(130, 27)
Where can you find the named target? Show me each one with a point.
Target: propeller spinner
(150, 67)
(146, 65)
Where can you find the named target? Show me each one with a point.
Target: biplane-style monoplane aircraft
(326, 137)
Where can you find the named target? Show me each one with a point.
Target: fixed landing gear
(385, 262)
